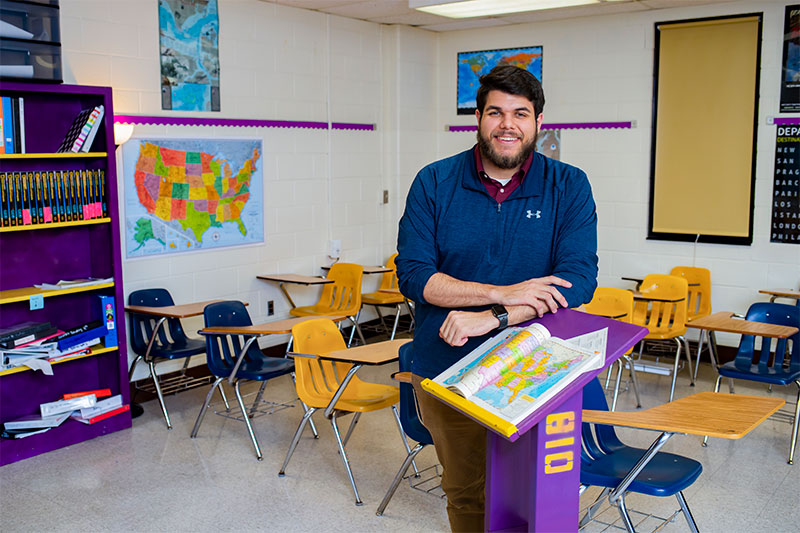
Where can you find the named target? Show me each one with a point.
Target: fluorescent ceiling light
(480, 8)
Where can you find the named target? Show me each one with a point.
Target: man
(491, 237)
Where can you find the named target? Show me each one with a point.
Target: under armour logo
(537, 214)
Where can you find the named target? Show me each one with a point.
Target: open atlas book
(512, 374)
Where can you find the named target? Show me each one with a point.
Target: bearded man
(491, 237)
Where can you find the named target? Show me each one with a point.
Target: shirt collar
(520, 174)
(534, 169)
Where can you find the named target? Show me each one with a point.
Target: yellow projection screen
(705, 112)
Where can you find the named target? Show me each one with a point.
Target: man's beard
(505, 161)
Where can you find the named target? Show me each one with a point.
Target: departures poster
(786, 187)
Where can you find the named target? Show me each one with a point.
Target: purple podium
(533, 475)
(532, 478)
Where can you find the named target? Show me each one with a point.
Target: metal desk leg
(331, 414)
(153, 374)
(286, 293)
(617, 496)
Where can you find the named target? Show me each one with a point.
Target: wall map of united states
(194, 189)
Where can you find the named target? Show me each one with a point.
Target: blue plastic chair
(170, 343)
(768, 364)
(606, 461)
(410, 422)
(235, 358)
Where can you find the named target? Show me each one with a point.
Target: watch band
(501, 314)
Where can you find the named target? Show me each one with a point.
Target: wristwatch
(501, 314)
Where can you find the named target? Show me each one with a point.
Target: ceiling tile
(467, 24)
(398, 12)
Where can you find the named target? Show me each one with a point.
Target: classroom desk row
(299, 279)
(712, 414)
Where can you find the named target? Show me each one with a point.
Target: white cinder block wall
(276, 63)
(292, 64)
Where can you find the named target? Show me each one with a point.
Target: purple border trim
(788, 121)
(564, 126)
(235, 122)
(352, 126)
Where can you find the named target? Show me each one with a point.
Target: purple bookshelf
(48, 253)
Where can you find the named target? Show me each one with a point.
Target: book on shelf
(95, 119)
(102, 406)
(2, 129)
(507, 378)
(103, 416)
(98, 393)
(75, 340)
(67, 406)
(14, 434)
(73, 283)
(37, 421)
(108, 312)
(42, 359)
(84, 128)
(8, 126)
(19, 117)
(50, 349)
(24, 332)
(5, 204)
(13, 124)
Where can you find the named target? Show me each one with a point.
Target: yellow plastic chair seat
(359, 396)
(313, 310)
(381, 298)
(661, 333)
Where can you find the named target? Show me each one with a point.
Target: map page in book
(518, 370)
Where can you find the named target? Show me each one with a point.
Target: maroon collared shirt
(494, 188)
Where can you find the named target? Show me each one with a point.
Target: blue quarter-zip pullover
(548, 226)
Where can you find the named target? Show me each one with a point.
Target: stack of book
(84, 128)
(51, 196)
(12, 125)
(82, 406)
(37, 344)
(24, 333)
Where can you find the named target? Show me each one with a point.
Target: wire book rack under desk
(607, 519)
(174, 384)
(257, 407)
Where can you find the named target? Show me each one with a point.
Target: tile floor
(151, 479)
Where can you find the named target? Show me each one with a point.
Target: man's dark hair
(512, 80)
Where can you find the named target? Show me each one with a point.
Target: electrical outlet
(270, 307)
(385, 196)
(335, 248)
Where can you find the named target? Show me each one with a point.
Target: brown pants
(461, 447)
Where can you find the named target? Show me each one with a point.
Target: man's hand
(539, 293)
(459, 326)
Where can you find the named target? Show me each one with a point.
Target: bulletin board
(705, 112)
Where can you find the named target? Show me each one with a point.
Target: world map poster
(189, 37)
(473, 65)
(184, 195)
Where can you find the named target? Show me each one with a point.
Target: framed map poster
(189, 47)
(473, 65)
(790, 75)
(186, 195)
